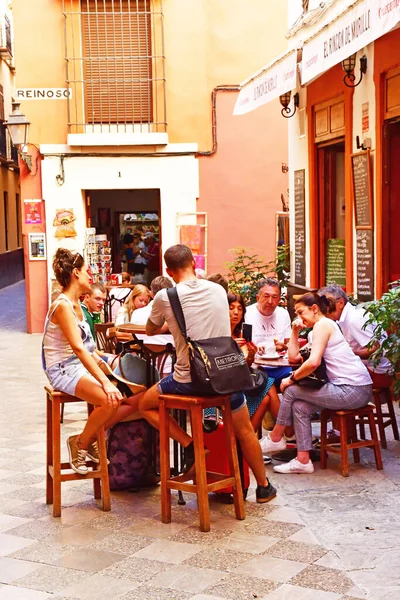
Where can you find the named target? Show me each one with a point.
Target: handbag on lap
(217, 365)
(317, 378)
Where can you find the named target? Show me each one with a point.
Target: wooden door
(391, 208)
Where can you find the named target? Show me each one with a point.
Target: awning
(270, 82)
(359, 25)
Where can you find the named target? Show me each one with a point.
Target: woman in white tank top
(72, 364)
(349, 385)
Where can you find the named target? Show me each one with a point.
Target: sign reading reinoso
(357, 27)
(43, 93)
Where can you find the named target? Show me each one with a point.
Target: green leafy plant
(246, 270)
(384, 314)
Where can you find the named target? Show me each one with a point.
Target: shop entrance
(123, 220)
(391, 206)
(331, 213)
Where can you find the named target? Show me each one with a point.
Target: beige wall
(9, 182)
(207, 43)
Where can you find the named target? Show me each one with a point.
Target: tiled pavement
(323, 538)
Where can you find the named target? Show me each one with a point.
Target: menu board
(299, 228)
(362, 189)
(336, 262)
(365, 265)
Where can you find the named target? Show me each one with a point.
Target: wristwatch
(292, 377)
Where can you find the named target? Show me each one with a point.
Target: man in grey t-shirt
(206, 312)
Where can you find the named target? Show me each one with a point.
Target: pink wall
(241, 185)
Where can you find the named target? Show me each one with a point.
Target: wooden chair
(104, 341)
(54, 467)
(345, 420)
(382, 395)
(203, 481)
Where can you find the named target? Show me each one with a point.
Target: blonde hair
(138, 290)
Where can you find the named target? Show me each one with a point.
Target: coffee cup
(270, 352)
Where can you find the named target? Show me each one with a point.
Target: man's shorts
(168, 385)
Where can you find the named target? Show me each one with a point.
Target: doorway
(331, 213)
(391, 203)
(118, 215)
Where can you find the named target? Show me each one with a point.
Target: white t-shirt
(140, 316)
(266, 329)
(206, 312)
(351, 323)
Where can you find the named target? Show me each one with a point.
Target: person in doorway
(349, 385)
(197, 297)
(92, 305)
(139, 260)
(271, 324)
(152, 254)
(71, 362)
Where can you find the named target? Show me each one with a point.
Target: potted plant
(384, 314)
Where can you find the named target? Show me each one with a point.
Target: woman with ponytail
(71, 362)
(349, 386)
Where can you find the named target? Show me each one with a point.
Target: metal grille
(115, 67)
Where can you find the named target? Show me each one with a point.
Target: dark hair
(220, 279)
(127, 239)
(178, 257)
(97, 286)
(64, 262)
(237, 298)
(310, 298)
(268, 281)
(333, 289)
(160, 283)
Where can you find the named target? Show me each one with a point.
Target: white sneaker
(294, 466)
(268, 446)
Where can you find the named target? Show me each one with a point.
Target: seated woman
(262, 399)
(139, 297)
(72, 364)
(349, 386)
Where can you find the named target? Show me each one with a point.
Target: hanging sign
(269, 83)
(359, 25)
(33, 212)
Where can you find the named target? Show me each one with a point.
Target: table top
(131, 328)
(282, 361)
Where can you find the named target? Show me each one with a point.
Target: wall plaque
(299, 228)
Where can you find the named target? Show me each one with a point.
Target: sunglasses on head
(76, 259)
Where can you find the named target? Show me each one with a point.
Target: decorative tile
(37, 530)
(48, 578)
(246, 542)
(122, 543)
(273, 528)
(79, 535)
(193, 535)
(43, 552)
(218, 558)
(136, 569)
(99, 586)
(168, 551)
(274, 569)
(12, 543)
(155, 593)
(12, 569)
(321, 578)
(238, 587)
(73, 516)
(88, 560)
(306, 553)
(187, 579)
(291, 592)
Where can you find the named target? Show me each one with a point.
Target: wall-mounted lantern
(348, 66)
(284, 99)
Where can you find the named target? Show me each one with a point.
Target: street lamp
(18, 129)
(284, 99)
(348, 66)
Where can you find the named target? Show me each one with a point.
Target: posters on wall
(33, 212)
(37, 246)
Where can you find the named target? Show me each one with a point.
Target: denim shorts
(64, 376)
(168, 385)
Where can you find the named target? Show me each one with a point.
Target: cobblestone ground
(323, 538)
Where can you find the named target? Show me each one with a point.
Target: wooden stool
(346, 421)
(381, 394)
(203, 482)
(54, 466)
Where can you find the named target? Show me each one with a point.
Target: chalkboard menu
(365, 265)
(336, 262)
(299, 228)
(362, 189)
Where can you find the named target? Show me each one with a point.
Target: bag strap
(176, 306)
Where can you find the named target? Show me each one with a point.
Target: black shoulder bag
(217, 365)
(317, 378)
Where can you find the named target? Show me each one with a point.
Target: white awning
(359, 25)
(276, 78)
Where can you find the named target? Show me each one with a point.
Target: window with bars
(115, 65)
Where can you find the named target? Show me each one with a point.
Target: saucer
(270, 356)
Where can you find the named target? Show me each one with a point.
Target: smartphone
(247, 331)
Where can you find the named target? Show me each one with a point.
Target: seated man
(93, 304)
(271, 324)
(205, 308)
(351, 320)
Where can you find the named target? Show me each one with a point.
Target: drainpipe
(218, 88)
